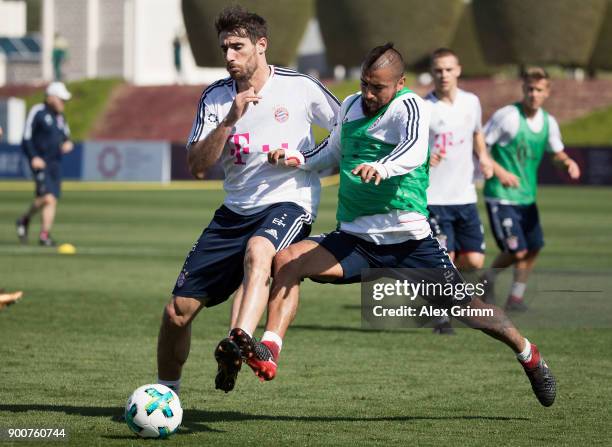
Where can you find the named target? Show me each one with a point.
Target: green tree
(602, 54)
(468, 47)
(539, 32)
(350, 28)
(287, 20)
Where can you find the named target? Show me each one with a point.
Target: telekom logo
(240, 143)
(444, 141)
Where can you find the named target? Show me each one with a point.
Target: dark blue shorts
(214, 267)
(457, 227)
(355, 254)
(48, 180)
(516, 227)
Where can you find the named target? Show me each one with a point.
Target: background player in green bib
(518, 135)
(381, 147)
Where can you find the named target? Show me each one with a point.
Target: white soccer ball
(153, 411)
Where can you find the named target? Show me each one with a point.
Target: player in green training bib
(381, 147)
(518, 136)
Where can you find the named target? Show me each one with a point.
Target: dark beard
(367, 112)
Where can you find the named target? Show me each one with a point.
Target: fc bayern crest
(281, 114)
(181, 279)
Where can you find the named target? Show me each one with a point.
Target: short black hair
(443, 52)
(395, 58)
(237, 20)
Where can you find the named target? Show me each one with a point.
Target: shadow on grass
(319, 327)
(196, 420)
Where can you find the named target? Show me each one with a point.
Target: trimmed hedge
(602, 54)
(287, 20)
(468, 47)
(539, 32)
(351, 28)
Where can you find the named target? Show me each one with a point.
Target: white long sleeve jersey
(405, 124)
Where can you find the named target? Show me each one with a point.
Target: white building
(132, 39)
(129, 39)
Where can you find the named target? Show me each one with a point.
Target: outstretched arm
(563, 161)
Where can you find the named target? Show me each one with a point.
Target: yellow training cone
(66, 249)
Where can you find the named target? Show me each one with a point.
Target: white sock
(174, 385)
(525, 355)
(273, 336)
(518, 289)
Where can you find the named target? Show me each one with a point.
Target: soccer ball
(153, 411)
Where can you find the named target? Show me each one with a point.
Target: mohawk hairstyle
(238, 21)
(383, 56)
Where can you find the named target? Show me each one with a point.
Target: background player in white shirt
(239, 120)
(455, 141)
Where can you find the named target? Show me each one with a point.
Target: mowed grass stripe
(187, 185)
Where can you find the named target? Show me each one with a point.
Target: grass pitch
(84, 336)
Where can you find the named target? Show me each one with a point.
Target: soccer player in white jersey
(519, 134)
(455, 140)
(239, 120)
(381, 147)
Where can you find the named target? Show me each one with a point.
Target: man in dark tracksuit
(45, 140)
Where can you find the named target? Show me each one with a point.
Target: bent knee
(259, 254)
(520, 255)
(286, 261)
(177, 317)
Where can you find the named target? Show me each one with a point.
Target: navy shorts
(457, 227)
(355, 254)
(214, 267)
(516, 227)
(48, 180)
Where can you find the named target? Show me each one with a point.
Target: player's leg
(469, 237)
(427, 254)
(306, 259)
(256, 283)
(211, 273)
(505, 221)
(443, 220)
(174, 339)
(530, 223)
(51, 197)
(47, 215)
(327, 258)
(275, 228)
(469, 234)
(41, 188)
(236, 303)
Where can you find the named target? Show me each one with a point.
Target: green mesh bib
(521, 157)
(355, 198)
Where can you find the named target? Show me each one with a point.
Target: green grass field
(84, 336)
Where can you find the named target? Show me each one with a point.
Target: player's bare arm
(563, 161)
(484, 159)
(67, 146)
(205, 153)
(506, 178)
